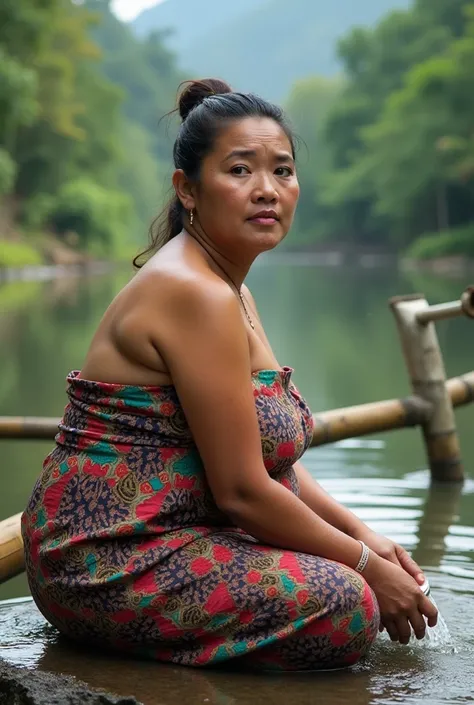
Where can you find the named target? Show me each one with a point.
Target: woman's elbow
(239, 502)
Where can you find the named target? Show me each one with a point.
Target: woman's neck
(233, 271)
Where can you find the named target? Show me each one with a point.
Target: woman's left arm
(317, 499)
(334, 513)
(322, 504)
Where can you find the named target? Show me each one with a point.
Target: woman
(173, 518)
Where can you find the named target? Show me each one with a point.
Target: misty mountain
(190, 19)
(260, 45)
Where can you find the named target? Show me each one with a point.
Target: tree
(308, 107)
(401, 131)
(420, 152)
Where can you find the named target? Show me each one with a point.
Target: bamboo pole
(329, 426)
(12, 560)
(425, 367)
(453, 309)
(28, 427)
(380, 416)
(356, 421)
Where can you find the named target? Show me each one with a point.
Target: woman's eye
(239, 170)
(286, 171)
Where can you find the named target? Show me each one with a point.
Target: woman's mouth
(264, 221)
(265, 218)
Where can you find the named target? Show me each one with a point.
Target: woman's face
(248, 190)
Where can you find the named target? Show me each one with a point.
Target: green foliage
(93, 213)
(308, 106)
(80, 99)
(141, 174)
(444, 244)
(387, 152)
(145, 70)
(18, 254)
(400, 136)
(7, 173)
(18, 97)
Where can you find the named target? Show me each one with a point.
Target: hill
(189, 19)
(261, 45)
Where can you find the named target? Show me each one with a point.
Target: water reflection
(392, 673)
(334, 327)
(440, 512)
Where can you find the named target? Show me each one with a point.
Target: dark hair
(204, 106)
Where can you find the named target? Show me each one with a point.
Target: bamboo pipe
(28, 427)
(379, 416)
(12, 559)
(329, 426)
(355, 421)
(453, 309)
(425, 366)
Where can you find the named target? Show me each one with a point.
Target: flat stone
(21, 686)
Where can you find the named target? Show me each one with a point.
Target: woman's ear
(184, 189)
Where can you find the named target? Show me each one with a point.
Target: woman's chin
(267, 239)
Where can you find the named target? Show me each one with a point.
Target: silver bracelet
(364, 557)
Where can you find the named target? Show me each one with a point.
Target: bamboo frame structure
(12, 559)
(453, 309)
(329, 426)
(430, 407)
(28, 428)
(415, 322)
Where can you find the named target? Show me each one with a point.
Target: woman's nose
(265, 189)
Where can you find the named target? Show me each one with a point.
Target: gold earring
(191, 216)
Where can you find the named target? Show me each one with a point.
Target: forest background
(380, 92)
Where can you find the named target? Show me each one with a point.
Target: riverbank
(46, 272)
(18, 250)
(44, 257)
(21, 686)
(343, 256)
(59, 260)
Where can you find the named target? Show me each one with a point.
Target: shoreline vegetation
(51, 259)
(385, 159)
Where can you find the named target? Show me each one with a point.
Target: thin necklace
(240, 295)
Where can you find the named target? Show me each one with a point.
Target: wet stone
(20, 686)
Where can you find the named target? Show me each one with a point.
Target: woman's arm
(334, 513)
(201, 334)
(329, 509)
(199, 330)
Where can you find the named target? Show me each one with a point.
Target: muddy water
(333, 326)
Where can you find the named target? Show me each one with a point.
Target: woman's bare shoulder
(183, 287)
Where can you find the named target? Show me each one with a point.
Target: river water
(334, 327)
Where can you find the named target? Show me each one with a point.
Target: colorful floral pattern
(126, 547)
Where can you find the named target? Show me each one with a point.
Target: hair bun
(196, 91)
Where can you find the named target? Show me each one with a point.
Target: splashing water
(438, 637)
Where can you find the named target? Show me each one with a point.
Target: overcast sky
(128, 9)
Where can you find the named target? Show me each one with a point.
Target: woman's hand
(403, 605)
(392, 552)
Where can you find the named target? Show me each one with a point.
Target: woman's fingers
(403, 628)
(398, 629)
(409, 565)
(418, 623)
(394, 559)
(392, 630)
(427, 608)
